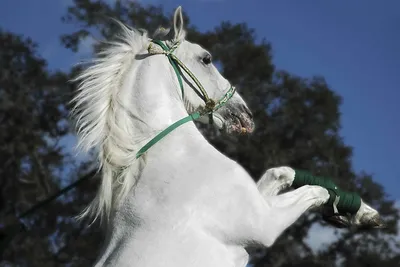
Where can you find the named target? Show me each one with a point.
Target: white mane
(104, 124)
(97, 95)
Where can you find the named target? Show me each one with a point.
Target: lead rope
(210, 104)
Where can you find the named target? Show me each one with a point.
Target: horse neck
(157, 101)
(152, 92)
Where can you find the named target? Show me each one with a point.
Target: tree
(32, 122)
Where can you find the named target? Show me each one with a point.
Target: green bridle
(158, 47)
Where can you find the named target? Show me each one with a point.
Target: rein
(158, 47)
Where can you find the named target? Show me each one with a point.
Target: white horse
(181, 203)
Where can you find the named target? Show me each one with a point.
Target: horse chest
(227, 205)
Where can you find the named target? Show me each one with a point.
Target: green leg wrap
(348, 202)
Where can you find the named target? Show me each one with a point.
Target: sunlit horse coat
(182, 203)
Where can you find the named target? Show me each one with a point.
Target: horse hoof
(338, 221)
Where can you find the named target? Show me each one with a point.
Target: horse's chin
(237, 128)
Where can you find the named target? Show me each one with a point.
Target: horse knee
(275, 180)
(284, 175)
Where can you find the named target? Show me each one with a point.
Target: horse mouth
(239, 123)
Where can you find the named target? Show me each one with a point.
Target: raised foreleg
(281, 211)
(284, 209)
(287, 208)
(275, 180)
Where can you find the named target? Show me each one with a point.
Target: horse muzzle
(237, 119)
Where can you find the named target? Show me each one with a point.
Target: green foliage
(32, 121)
(297, 124)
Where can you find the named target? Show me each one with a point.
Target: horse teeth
(244, 130)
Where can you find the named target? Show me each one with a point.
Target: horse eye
(207, 59)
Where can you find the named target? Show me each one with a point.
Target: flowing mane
(104, 123)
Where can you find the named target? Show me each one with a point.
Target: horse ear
(178, 24)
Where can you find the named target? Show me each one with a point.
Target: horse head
(204, 85)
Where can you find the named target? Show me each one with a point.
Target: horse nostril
(247, 110)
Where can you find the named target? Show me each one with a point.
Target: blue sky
(355, 46)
